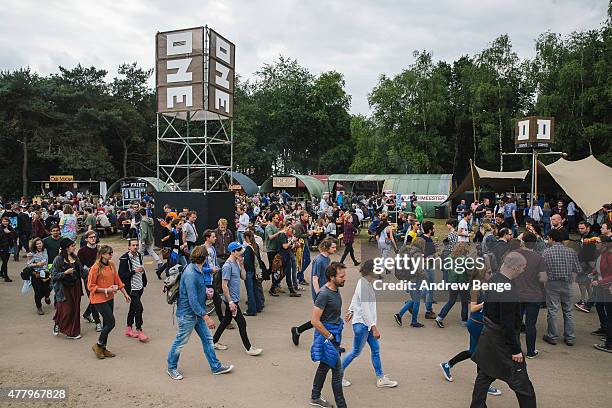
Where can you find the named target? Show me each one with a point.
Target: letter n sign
(221, 66)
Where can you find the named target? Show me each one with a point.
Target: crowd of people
(275, 235)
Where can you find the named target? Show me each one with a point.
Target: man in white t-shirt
(243, 224)
(463, 230)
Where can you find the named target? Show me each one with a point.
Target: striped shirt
(136, 283)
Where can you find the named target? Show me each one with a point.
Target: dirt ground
(282, 375)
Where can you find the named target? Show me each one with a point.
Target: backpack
(172, 284)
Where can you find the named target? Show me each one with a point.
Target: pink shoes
(137, 334)
(141, 336)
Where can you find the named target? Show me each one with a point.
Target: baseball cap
(234, 246)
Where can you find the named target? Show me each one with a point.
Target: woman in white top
(362, 312)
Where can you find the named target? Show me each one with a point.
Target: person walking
(243, 224)
(603, 285)
(460, 275)
(499, 355)
(132, 273)
(362, 313)
(8, 236)
(349, 232)
(87, 256)
(318, 278)
(251, 265)
(103, 282)
(191, 314)
(66, 275)
(474, 326)
(40, 277)
(231, 272)
(68, 223)
(147, 237)
(325, 349)
(561, 265)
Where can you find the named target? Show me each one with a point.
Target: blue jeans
(240, 236)
(363, 335)
(531, 311)
(186, 325)
(414, 302)
(431, 278)
(252, 295)
(452, 298)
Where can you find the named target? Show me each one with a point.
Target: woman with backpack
(40, 276)
(103, 282)
(66, 274)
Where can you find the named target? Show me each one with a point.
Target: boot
(107, 353)
(98, 351)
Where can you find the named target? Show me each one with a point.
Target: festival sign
(284, 182)
(180, 70)
(534, 132)
(61, 179)
(221, 67)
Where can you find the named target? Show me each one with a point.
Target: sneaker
(304, 283)
(549, 340)
(446, 369)
(223, 369)
(582, 307)
(439, 322)
(55, 330)
(357, 263)
(98, 351)
(599, 332)
(272, 293)
(494, 391)
(603, 347)
(295, 294)
(129, 332)
(141, 336)
(174, 374)
(47, 300)
(568, 342)
(384, 381)
(430, 315)
(7, 279)
(398, 319)
(98, 327)
(320, 402)
(463, 324)
(346, 383)
(40, 311)
(88, 318)
(253, 351)
(417, 325)
(295, 336)
(535, 354)
(280, 290)
(78, 336)
(219, 346)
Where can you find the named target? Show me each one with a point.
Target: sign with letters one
(534, 132)
(61, 178)
(221, 78)
(180, 70)
(284, 182)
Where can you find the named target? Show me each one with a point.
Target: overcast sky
(361, 39)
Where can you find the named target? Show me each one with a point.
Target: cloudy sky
(360, 38)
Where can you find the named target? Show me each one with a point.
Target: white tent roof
(588, 182)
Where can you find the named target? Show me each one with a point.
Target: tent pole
(473, 180)
(535, 183)
(533, 176)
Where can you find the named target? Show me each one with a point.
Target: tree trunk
(125, 156)
(499, 124)
(24, 168)
(474, 134)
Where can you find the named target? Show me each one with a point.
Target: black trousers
(108, 320)
(91, 310)
(461, 356)
(136, 309)
(319, 381)
(24, 241)
(41, 290)
(4, 257)
(240, 321)
(348, 249)
(306, 326)
(521, 385)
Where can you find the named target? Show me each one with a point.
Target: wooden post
(473, 179)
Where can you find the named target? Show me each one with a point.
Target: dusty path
(282, 376)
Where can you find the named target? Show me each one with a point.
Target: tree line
(430, 118)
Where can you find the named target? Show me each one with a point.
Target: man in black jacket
(499, 354)
(134, 277)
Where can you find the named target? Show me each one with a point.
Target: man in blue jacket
(191, 314)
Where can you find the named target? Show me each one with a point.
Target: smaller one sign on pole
(534, 132)
(61, 179)
(284, 182)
